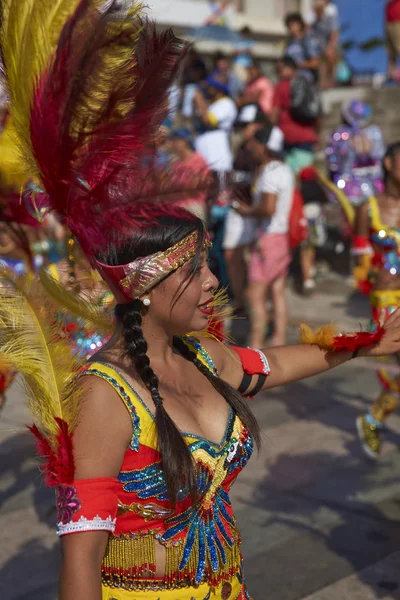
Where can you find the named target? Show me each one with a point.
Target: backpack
(298, 226)
(305, 100)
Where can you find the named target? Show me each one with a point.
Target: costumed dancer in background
(377, 248)
(148, 503)
(354, 154)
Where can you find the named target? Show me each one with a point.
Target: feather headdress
(96, 101)
(82, 306)
(33, 347)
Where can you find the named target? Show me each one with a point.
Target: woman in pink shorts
(271, 257)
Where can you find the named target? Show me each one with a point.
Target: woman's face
(181, 303)
(257, 150)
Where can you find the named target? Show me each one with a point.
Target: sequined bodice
(204, 535)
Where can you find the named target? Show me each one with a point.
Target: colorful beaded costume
(201, 540)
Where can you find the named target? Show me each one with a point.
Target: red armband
(87, 505)
(361, 245)
(254, 362)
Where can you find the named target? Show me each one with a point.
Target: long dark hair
(177, 463)
(391, 152)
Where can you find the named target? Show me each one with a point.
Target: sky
(366, 20)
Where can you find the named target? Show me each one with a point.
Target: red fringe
(356, 341)
(59, 465)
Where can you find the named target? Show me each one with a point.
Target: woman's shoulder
(221, 355)
(109, 381)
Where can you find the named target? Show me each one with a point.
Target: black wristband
(246, 381)
(355, 354)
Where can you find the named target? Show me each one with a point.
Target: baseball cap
(217, 84)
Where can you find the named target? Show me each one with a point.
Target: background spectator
(270, 259)
(324, 27)
(314, 197)
(392, 36)
(224, 72)
(300, 138)
(194, 72)
(216, 115)
(243, 54)
(302, 47)
(240, 231)
(259, 89)
(191, 166)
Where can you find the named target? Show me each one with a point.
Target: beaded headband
(129, 282)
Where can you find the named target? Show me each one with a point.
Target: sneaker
(308, 287)
(369, 435)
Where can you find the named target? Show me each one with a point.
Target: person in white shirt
(325, 28)
(271, 256)
(217, 116)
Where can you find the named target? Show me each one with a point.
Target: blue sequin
(203, 353)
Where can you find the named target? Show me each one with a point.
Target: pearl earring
(147, 301)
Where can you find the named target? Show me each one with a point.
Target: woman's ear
(387, 163)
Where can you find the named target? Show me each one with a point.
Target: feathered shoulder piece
(330, 339)
(33, 347)
(88, 82)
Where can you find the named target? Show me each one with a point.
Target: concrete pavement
(318, 521)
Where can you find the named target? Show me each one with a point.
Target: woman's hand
(390, 342)
(242, 209)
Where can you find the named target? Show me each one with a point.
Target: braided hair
(176, 460)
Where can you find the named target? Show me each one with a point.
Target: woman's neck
(160, 344)
(393, 189)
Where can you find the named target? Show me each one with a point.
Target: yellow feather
(30, 30)
(222, 312)
(32, 346)
(322, 337)
(13, 173)
(343, 200)
(83, 306)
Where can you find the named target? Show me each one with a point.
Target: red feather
(99, 167)
(59, 464)
(356, 341)
(216, 329)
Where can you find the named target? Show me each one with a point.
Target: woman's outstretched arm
(292, 363)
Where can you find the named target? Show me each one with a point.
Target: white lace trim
(264, 360)
(83, 524)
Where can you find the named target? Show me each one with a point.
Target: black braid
(177, 462)
(232, 396)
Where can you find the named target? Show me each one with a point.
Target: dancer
(377, 247)
(355, 152)
(147, 502)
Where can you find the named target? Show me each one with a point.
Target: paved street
(318, 521)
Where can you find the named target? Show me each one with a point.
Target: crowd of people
(257, 137)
